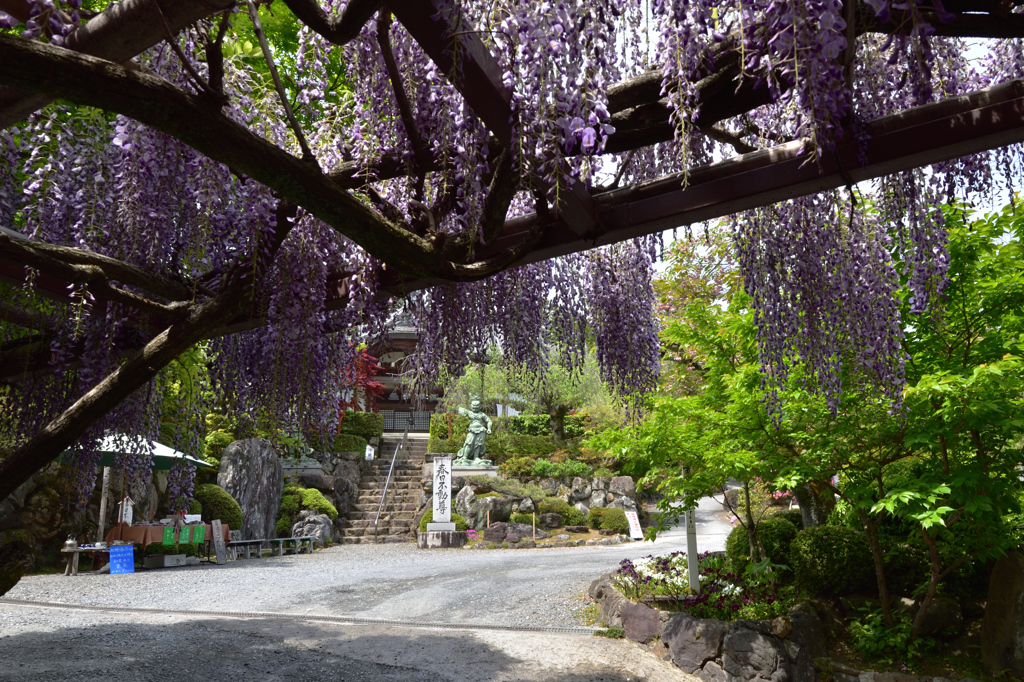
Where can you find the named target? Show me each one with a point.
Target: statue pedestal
(431, 527)
(441, 539)
(460, 470)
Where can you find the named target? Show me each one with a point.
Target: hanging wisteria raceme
(118, 188)
(10, 192)
(542, 312)
(180, 486)
(621, 301)
(823, 295)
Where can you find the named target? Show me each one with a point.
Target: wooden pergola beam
(118, 34)
(956, 127)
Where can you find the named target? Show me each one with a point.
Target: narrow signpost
(218, 541)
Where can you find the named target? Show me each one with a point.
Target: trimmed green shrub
(776, 536)
(315, 500)
(571, 516)
(214, 444)
(428, 517)
(614, 519)
(831, 560)
(594, 516)
(364, 424)
(218, 504)
(737, 550)
(517, 466)
(195, 507)
(519, 517)
(439, 441)
(794, 516)
(347, 442)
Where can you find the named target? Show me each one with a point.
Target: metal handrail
(384, 495)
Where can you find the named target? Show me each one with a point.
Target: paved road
(443, 605)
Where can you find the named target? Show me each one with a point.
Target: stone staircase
(399, 513)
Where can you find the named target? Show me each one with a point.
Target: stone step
(389, 506)
(394, 497)
(388, 539)
(385, 515)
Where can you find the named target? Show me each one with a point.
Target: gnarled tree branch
(338, 30)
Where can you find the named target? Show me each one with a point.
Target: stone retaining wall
(785, 649)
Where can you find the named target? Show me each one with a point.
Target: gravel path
(396, 582)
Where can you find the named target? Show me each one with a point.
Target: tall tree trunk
(816, 503)
(754, 543)
(871, 532)
(557, 420)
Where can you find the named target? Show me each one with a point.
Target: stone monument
(442, 518)
(473, 450)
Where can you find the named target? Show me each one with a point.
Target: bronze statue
(474, 448)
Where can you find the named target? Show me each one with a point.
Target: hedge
(532, 425)
(186, 548)
(540, 425)
(218, 504)
(364, 424)
(502, 444)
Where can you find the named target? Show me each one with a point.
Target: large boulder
(750, 652)
(496, 532)
(525, 506)
(807, 641)
(622, 485)
(316, 526)
(475, 509)
(943, 616)
(524, 530)
(549, 520)
(1002, 630)
(345, 474)
(622, 502)
(692, 641)
(250, 471)
(598, 498)
(640, 622)
(581, 490)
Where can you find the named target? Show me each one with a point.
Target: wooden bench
(248, 545)
(296, 544)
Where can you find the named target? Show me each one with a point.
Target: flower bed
(723, 595)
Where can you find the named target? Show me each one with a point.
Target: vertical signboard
(218, 541)
(442, 495)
